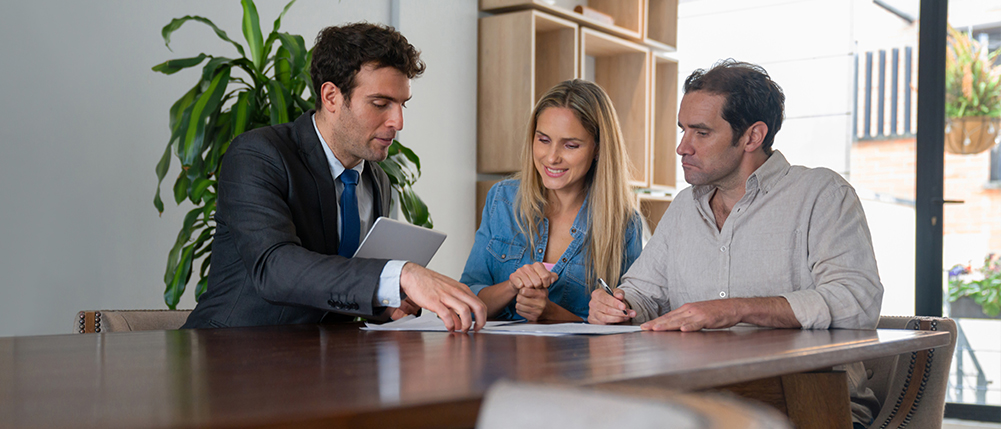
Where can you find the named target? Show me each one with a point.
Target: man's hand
(694, 316)
(531, 303)
(773, 311)
(452, 301)
(406, 307)
(533, 276)
(606, 309)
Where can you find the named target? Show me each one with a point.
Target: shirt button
(540, 250)
(573, 230)
(564, 260)
(722, 294)
(722, 249)
(385, 302)
(504, 256)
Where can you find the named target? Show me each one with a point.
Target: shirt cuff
(810, 308)
(477, 288)
(389, 293)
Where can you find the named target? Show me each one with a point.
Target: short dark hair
(751, 96)
(339, 52)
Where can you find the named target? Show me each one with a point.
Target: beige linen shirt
(798, 232)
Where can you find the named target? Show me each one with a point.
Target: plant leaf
(242, 110)
(178, 22)
(211, 67)
(274, 32)
(415, 210)
(181, 188)
(161, 172)
(198, 188)
(175, 288)
(207, 103)
(177, 112)
(279, 97)
(173, 66)
(252, 32)
(283, 66)
(203, 285)
(182, 237)
(296, 46)
(392, 169)
(409, 154)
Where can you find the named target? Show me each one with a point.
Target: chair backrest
(911, 387)
(128, 320)
(518, 405)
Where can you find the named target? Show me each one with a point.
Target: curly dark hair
(339, 52)
(751, 96)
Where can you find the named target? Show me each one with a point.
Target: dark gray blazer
(274, 254)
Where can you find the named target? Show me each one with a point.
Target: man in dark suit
(295, 198)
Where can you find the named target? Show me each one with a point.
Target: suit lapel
(316, 161)
(373, 178)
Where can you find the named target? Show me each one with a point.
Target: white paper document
(429, 322)
(560, 329)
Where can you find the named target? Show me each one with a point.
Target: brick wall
(888, 167)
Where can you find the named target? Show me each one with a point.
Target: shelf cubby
(628, 15)
(662, 24)
(663, 123)
(652, 208)
(622, 69)
(534, 45)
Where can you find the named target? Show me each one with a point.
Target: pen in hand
(609, 290)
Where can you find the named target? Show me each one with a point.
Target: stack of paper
(430, 322)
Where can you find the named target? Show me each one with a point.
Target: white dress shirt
(388, 293)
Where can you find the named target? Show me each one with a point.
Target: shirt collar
(336, 168)
(764, 178)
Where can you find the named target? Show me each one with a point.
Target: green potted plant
(265, 85)
(973, 95)
(980, 287)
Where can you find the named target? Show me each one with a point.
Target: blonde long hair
(610, 207)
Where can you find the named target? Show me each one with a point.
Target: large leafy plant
(232, 95)
(972, 82)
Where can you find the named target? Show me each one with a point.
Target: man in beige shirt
(754, 239)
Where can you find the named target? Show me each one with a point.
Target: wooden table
(340, 376)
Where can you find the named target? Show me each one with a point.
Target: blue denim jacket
(500, 249)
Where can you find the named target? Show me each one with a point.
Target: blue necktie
(350, 223)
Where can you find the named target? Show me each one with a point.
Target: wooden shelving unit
(622, 68)
(662, 25)
(528, 46)
(628, 14)
(522, 54)
(663, 124)
(652, 208)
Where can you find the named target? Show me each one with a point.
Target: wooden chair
(128, 320)
(530, 406)
(911, 387)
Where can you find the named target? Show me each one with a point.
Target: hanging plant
(973, 95)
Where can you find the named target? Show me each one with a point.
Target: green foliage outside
(972, 82)
(982, 285)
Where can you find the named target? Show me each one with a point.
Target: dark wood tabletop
(340, 376)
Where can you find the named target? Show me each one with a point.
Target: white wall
(84, 122)
(806, 46)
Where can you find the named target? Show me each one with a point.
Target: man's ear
(754, 136)
(331, 97)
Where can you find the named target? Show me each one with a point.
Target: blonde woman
(565, 220)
